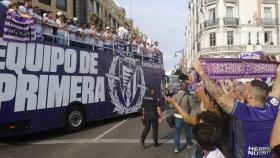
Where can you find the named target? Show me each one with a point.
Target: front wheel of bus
(75, 119)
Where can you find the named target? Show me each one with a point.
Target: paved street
(118, 138)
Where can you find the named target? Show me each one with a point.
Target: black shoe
(156, 144)
(142, 143)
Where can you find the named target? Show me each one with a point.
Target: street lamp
(183, 58)
(180, 51)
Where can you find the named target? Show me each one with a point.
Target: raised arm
(223, 100)
(187, 118)
(276, 85)
(275, 136)
(222, 82)
(203, 97)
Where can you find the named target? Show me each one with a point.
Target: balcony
(269, 22)
(218, 50)
(271, 49)
(270, 1)
(230, 1)
(233, 50)
(211, 23)
(230, 21)
(209, 2)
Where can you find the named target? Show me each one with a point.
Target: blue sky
(161, 20)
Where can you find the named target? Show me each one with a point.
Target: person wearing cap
(107, 37)
(60, 33)
(123, 34)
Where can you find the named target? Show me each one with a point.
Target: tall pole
(130, 10)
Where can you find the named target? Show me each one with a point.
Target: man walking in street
(186, 102)
(151, 113)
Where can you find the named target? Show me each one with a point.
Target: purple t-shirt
(254, 126)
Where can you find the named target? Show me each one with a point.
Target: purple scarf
(232, 68)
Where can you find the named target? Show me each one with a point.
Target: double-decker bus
(45, 85)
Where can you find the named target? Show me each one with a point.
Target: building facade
(227, 28)
(106, 13)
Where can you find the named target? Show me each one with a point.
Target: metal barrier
(156, 56)
(113, 49)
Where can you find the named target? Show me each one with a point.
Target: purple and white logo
(126, 85)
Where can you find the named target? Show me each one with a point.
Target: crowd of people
(57, 28)
(236, 118)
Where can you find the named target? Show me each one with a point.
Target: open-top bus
(44, 85)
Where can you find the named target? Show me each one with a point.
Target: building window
(267, 12)
(268, 37)
(229, 12)
(212, 14)
(97, 9)
(61, 4)
(48, 2)
(230, 38)
(212, 39)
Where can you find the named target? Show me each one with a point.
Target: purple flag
(18, 29)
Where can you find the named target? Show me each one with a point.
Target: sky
(161, 20)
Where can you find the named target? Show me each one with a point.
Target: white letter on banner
(93, 63)
(88, 90)
(58, 92)
(99, 90)
(57, 58)
(47, 58)
(8, 84)
(42, 92)
(70, 64)
(2, 55)
(32, 63)
(84, 62)
(75, 88)
(27, 87)
(16, 53)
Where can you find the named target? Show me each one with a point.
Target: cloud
(161, 20)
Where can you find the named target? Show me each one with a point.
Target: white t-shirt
(99, 41)
(214, 154)
(59, 30)
(49, 29)
(72, 32)
(92, 38)
(38, 25)
(81, 36)
(22, 9)
(87, 35)
(107, 41)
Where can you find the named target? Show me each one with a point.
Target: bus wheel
(74, 119)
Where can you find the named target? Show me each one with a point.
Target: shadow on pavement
(45, 135)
